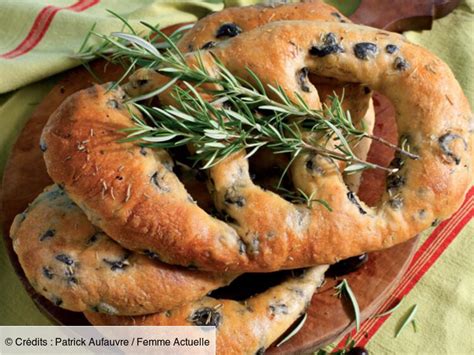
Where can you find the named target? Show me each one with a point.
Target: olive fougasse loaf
(77, 267)
(247, 327)
(267, 233)
(117, 235)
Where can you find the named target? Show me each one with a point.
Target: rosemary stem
(393, 146)
(324, 151)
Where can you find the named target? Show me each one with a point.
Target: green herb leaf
(344, 288)
(296, 329)
(390, 311)
(410, 317)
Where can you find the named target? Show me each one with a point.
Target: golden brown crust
(77, 267)
(432, 113)
(242, 327)
(236, 20)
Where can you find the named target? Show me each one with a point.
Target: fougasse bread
(153, 210)
(247, 327)
(78, 267)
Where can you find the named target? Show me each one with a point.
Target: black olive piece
(358, 350)
(43, 146)
(155, 179)
(47, 272)
(330, 46)
(367, 90)
(279, 308)
(92, 239)
(113, 103)
(395, 182)
(353, 199)
(142, 82)
(117, 264)
(336, 14)
(330, 39)
(260, 351)
(232, 198)
(326, 50)
(57, 301)
(445, 140)
(302, 77)
(313, 167)
(65, 259)
(205, 316)
(365, 50)
(435, 222)
(48, 234)
(151, 254)
(209, 45)
(143, 151)
(391, 48)
(228, 30)
(396, 203)
(400, 64)
(72, 280)
(347, 266)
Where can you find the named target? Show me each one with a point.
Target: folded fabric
(38, 40)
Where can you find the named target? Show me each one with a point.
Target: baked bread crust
(233, 21)
(246, 327)
(271, 233)
(77, 267)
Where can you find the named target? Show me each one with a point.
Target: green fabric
(67, 31)
(452, 39)
(445, 312)
(444, 295)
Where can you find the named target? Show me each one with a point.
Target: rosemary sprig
(234, 120)
(409, 318)
(115, 49)
(343, 288)
(390, 311)
(295, 330)
(299, 196)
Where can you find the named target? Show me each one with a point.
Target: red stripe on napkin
(424, 258)
(41, 25)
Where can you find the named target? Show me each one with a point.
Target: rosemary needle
(407, 320)
(294, 331)
(344, 288)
